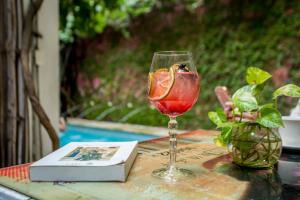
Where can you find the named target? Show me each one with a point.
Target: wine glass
(173, 88)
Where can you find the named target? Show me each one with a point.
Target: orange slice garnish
(160, 83)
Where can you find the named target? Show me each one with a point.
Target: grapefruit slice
(160, 83)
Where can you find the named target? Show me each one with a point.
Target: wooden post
(22, 114)
(2, 86)
(9, 84)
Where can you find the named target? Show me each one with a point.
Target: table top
(216, 176)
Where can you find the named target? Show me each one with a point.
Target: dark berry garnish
(183, 68)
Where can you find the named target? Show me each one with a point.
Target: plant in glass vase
(250, 126)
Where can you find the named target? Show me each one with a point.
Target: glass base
(173, 174)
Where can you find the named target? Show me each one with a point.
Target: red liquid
(182, 96)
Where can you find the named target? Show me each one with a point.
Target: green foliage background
(225, 38)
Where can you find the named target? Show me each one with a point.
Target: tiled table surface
(216, 176)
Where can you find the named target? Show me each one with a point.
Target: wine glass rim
(171, 53)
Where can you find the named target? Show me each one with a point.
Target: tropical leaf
(215, 118)
(244, 100)
(290, 90)
(270, 118)
(256, 76)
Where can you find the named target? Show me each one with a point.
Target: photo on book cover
(91, 153)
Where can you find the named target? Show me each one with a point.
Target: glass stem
(172, 125)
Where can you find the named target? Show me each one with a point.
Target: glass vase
(256, 146)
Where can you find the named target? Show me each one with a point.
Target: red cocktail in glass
(173, 88)
(182, 96)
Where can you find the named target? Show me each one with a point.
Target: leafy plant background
(107, 47)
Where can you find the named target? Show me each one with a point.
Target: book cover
(86, 161)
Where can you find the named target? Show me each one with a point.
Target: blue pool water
(75, 133)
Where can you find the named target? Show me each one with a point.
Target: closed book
(86, 161)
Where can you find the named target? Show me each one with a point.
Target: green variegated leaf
(256, 76)
(214, 117)
(290, 90)
(244, 100)
(270, 118)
